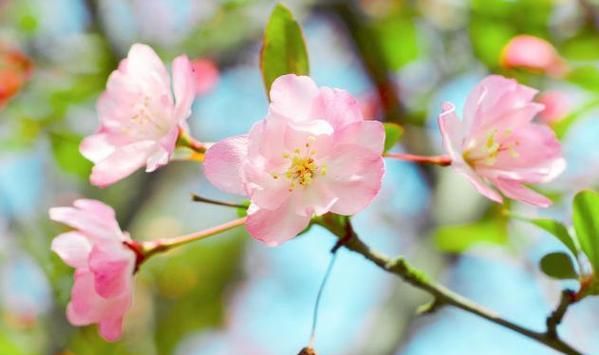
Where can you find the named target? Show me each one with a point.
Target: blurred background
(231, 294)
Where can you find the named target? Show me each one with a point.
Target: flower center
(302, 167)
(144, 123)
(488, 152)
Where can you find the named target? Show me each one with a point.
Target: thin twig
(198, 198)
(400, 267)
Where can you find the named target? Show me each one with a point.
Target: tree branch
(442, 295)
(555, 318)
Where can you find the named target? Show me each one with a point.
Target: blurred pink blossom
(557, 106)
(313, 153)
(205, 74)
(533, 53)
(104, 266)
(497, 144)
(139, 116)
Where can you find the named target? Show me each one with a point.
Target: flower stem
(152, 247)
(441, 160)
(187, 141)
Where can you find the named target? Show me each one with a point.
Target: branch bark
(444, 296)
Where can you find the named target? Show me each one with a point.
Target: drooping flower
(496, 144)
(104, 266)
(557, 106)
(312, 154)
(140, 116)
(15, 70)
(533, 53)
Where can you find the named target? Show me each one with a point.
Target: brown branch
(442, 295)
(555, 318)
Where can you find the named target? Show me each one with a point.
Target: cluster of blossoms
(313, 153)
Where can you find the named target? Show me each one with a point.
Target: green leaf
(459, 238)
(586, 224)
(283, 47)
(65, 147)
(393, 133)
(556, 229)
(558, 265)
(587, 77)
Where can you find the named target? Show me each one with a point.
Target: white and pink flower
(104, 266)
(140, 115)
(313, 153)
(497, 144)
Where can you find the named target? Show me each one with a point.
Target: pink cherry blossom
(313, 153)
(557, 106)
(140, 116)
(530, 52)
(497, 144)
(103, 287)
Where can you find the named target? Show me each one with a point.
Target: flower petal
(122, 163)
(452, 131)
(480, 185)
(515, 190)
(354, 175)
(337, 107)
(90, 219)
(73, 248)
(183, 86)
(111, 329)
(367, 134)
(292, 97)
(222, 164)
(274, 227)
(112, 265)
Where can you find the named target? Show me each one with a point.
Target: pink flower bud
(533, 53)
(205, 74)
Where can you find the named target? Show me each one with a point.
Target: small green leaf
(393, 133)
(558, 265)
(587, 77)
(586, 224)
(283, 47)
(556, 229)
(459, 238)
(65, 147)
